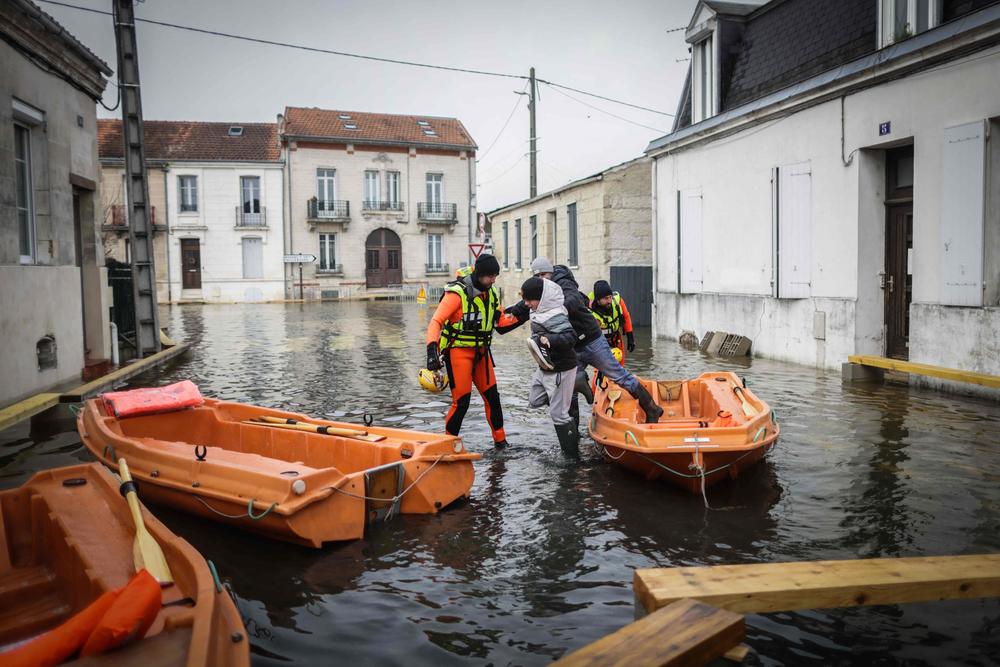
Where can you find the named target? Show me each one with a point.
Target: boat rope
(114, 454)
(248, 513)
(760, 432)
(701, 470)
(395, 499)
(75, 408)
(215, 575)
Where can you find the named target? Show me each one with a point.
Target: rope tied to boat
(249, 513)
(395, 499)
(75, 408)
(114, 454)
(701, 472)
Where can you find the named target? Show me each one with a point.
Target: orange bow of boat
(707, 432)
(66, 540)
(259, 469)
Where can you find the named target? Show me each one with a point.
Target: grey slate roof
(787, 42)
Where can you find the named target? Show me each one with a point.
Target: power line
(507, 171)
(622, 118)
(394, 61)
(517, 103)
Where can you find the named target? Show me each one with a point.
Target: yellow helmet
(616, 352)
(433, 381)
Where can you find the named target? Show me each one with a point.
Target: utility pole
(140, 228)
(533, 186)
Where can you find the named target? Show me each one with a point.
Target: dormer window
(235, 131)
(901, 19)
(703, 79)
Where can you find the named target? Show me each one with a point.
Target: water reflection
(539, 560)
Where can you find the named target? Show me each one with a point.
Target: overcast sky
(618, 49)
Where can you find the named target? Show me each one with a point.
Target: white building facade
(53, 298)
(846, 201)
(382, 201)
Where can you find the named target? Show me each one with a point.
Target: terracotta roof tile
(375, 127)
(190, 140)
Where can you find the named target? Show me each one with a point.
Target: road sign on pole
(477, 249)
(300, 258)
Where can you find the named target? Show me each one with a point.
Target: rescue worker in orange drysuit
(459, 336)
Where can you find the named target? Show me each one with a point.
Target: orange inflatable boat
(276, 473)
(712, 428)
(66, 546)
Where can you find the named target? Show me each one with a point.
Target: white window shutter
(794, 231)
(963, 194)
(253, 257)
(690, 241)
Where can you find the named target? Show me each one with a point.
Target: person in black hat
(612, 315)
(459, 337)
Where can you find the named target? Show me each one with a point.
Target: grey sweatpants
(555, 389)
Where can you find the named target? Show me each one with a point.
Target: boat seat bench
(255, 462)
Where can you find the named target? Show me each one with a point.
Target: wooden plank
(686, 632)
(926, 369)
(737, 653)
(141, 366)
(27, 408)
(774, 587)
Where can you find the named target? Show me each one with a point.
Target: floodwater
(539, 561)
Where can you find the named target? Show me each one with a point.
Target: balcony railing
(375, 205)
(329, 209)
(119, 216)
(245, 219)
(436, 268)
(335, 268)
(437, 212)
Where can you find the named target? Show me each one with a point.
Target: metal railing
(336, 268)
(378, 205)
(436, 268)
(244, 219)
(329, 209)
(437, 211)
(119, 216)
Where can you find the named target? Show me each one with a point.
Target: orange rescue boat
(712, 428)
(280, 474)
(66, 538)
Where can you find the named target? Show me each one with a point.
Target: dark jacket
(584, 324)
(556, 328)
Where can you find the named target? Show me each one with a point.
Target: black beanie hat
(602, 289)
(487, 265)
(531, 290)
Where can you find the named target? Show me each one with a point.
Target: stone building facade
(383, 201)
(54, 313)
(591, 225)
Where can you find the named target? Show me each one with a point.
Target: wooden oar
(145, 551)
(336, 430)
(324, 430)
(613, 396)
(748, 410)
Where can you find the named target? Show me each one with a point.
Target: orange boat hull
(706, 434)
(293, 485)
(68, 539)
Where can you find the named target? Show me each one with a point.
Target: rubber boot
(652, 410)
(569, 439)
(574, 411)
(582, 385)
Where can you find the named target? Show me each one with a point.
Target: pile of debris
(718, 343)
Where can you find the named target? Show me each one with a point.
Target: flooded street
(539, 561)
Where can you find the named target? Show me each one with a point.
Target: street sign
(477, 249)
(300, 259)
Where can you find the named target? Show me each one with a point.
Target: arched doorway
(383, 259)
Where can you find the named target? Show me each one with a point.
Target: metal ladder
(137, 187)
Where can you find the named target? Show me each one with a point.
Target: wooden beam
(29, 407)
(926, 369)
(774, 587)
(684, 633)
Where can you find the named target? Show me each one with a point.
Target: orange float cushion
(129, 618)
(64, 641)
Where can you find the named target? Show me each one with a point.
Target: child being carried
(552, 345)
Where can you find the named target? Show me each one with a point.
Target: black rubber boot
(581, 385)
(569, 439)
(652, 410)
(574, 411)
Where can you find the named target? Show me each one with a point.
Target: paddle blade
(146, 552)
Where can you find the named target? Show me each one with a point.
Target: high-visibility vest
(610, 324)
(478, 313)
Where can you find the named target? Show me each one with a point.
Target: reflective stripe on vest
(476, 325)
(610, 324)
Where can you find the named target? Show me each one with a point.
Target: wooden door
(898, 285)
(190, 264)
(383, 259)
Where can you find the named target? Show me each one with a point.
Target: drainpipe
(656, 247)
(287, 238)
(166, 222)
(472, 193)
